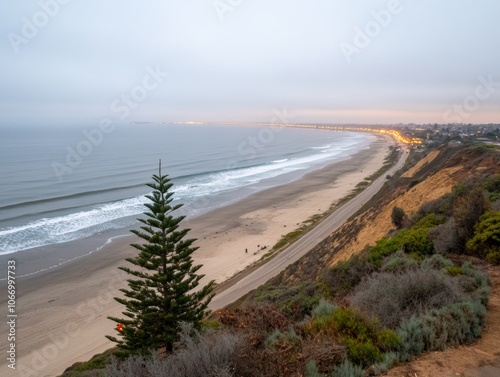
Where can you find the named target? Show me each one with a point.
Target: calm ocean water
(58, 185)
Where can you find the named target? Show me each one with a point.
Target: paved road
(303, 245)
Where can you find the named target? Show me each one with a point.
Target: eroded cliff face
(431, 176)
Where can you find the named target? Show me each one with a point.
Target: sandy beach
(62, 313)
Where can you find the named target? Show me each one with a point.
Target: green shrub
(388, 340)
(416, 239)
(452, 324)
(480, 278)
(362, 353)
(493, 256)
(382, 249)
(323, 309)
(290, 338)
(389, 360)
(349, 323)
(436, 262)
(397, 216)
(412, 336)
(392, 297)
(312, 369)
(454, 271)
(413, 240)
(364, 340)
(486, 239)
(492, 184)
(348, 369)
(399, 261)
(210, 324)
(273, 338)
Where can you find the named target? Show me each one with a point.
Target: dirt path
(480, 359)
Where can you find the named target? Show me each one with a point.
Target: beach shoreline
(62, 311)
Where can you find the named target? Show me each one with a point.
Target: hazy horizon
(381, 62)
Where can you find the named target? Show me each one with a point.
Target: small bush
(454, 271)
(382, 249)
(364, 339)
(467, 213)
(349, 323)
(480, 279)
(362, 353)
(486, 239)
(390, 359)
(492, 185)
(288, 338)
(348, 369)
(197, 355)
(397, 216)
(493, 256)
(436, 262)
(444, 237)
(399, 261)
(388, 340)
(453, 324)
(312, 369)
(416, 239)
(393, 297)
(412, 337)
(324, 309)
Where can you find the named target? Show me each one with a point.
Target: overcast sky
(77, 62)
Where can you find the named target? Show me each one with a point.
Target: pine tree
(161, 291)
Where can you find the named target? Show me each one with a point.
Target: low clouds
(419, 59)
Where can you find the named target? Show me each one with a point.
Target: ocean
(64, 184)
